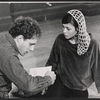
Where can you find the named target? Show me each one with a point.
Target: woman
(75, 58)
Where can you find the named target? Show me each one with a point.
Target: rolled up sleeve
(15, 72)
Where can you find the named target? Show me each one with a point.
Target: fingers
(52, 75)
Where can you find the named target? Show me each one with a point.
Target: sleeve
(96, 66)
(14, 70)
(54, 56)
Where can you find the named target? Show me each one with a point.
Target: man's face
(69, 30)
(26, 45)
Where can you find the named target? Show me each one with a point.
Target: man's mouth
(25, 52)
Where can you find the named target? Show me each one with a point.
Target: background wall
(42, 11)
(5, 18)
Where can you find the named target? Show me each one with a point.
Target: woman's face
(69, 30)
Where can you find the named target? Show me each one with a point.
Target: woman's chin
(67, 37)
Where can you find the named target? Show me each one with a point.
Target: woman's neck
(74, 40)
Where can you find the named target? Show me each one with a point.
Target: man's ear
(19, 38)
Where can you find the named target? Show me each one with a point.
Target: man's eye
(32, 44)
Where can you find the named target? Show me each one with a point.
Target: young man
(21, 39)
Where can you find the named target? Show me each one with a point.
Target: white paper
(39, 71)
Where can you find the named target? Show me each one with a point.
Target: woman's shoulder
(61, 36)
(93, 40)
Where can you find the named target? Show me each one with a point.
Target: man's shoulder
(6, 50)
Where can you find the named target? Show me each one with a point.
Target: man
(21, 39)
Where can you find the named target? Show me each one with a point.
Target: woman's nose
(65, 31)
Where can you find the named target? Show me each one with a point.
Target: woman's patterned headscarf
(83, 36)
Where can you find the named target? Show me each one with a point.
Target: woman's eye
(68, 29)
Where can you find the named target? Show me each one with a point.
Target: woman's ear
(77, 29)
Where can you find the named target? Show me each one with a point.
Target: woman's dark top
(76, 72)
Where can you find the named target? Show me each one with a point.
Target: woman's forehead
(68, 25)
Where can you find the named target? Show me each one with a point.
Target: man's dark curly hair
(25, 26)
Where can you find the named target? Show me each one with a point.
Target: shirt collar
(12, 42)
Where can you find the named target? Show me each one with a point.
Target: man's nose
(32, 48)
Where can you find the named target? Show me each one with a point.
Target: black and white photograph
(50, 50)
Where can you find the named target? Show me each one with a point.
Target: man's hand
(44, 91)
(52, 75)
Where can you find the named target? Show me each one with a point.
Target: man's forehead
(33, 40)
(34, 37)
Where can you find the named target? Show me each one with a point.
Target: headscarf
(83, 36)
